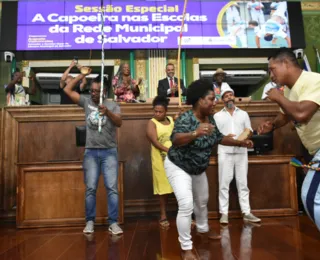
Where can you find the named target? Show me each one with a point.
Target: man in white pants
(232, 16)
(232, 121)
(256, 11)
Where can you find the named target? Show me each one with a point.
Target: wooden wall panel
(53, 195)
(272, 184)
(48, 141)
(134, 149)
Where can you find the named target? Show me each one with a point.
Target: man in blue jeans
(101, 150)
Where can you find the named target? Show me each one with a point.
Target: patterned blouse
(193, 157)
(122, 92)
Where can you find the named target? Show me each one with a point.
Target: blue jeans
(94, 162)
(310, 192)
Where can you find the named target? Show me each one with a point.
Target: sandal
(164, 223)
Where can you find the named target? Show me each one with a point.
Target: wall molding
(310, 6)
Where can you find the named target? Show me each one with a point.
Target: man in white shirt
(168, 87)
(233, 161)
(275, 27)
(256, 11)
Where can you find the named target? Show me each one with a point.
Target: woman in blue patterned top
(193, 137)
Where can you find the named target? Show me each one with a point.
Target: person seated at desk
(125, 88)
(269, 86)
(168, 87)
(218, 84)
(16, 94)
(65, 80)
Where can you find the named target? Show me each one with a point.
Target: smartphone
(75, 58)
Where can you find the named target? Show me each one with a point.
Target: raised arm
(13, 82)
(301, 111)
(83, 84)
(73, 95)
(66, 73)
(33, 89)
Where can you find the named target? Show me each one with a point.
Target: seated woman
(125, 88)
(159, 130)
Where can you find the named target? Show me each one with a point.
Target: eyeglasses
(94, 91)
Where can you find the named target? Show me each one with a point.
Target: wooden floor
(277, 238)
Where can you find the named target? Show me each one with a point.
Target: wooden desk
(42, 134)
(272, 185)
(53, 194)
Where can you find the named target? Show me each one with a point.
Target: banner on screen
(72, 25)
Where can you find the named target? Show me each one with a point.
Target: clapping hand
(174, 88)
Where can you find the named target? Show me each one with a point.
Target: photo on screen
(256, 24)
(77, 24)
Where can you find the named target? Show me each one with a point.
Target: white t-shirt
(18, 97)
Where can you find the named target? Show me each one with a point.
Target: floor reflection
(245, 241)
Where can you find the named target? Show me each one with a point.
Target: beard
(230, 104)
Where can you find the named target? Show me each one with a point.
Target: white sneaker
(89, 227)
(224, 219)
(115, 229)
(251, 218)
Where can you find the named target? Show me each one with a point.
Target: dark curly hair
(161, 101)
(198, 89)
(285, 54)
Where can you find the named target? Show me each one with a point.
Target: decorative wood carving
(310, 6)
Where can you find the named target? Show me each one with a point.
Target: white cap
(225, 90)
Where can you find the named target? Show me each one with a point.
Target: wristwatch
(194, 133)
